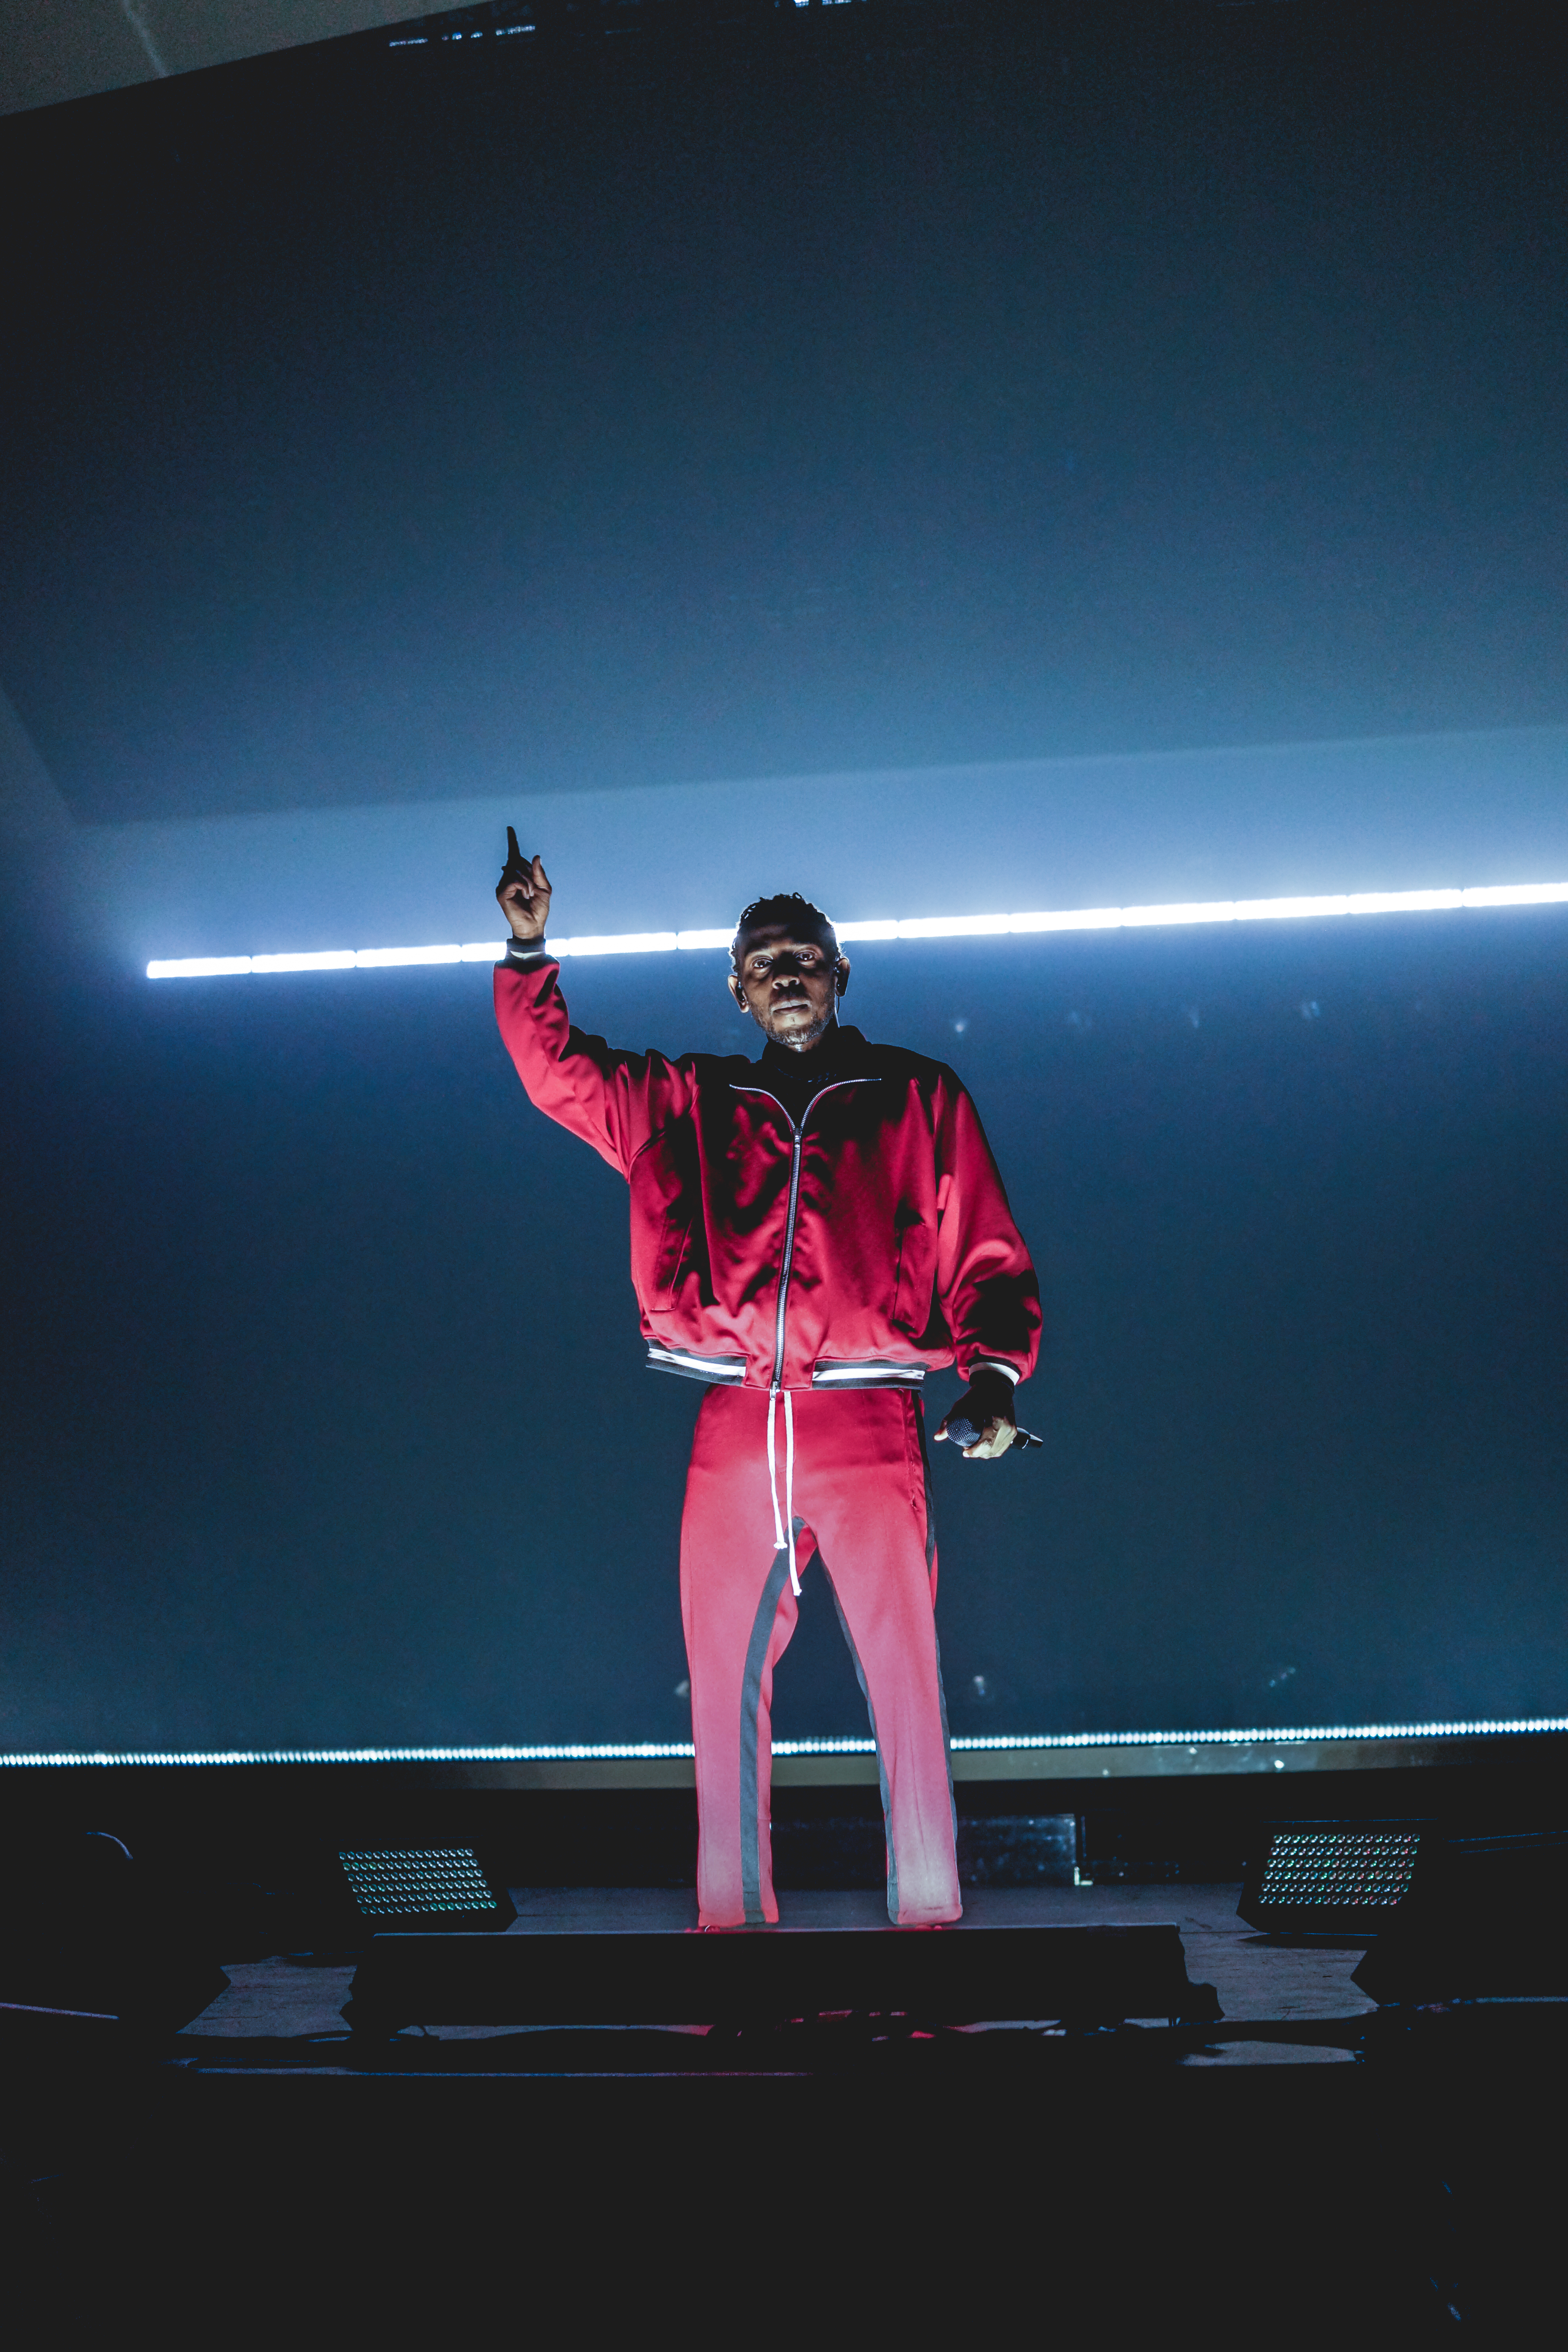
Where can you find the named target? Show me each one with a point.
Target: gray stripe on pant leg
(881, 1765)
(946, 1742)
(925, 1472)
(751, 1708)
(930, 1556)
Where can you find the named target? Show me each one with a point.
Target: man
(812, 1232)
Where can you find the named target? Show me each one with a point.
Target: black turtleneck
(796, 1078)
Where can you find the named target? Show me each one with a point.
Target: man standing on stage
(812, 1232)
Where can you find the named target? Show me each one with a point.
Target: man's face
(789, 985)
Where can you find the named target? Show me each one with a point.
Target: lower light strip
(913, 927)
(659, 1751)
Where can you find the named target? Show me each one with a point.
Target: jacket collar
(840, 1055)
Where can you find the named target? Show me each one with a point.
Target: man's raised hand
(523, 892)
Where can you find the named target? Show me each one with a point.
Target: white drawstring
(789, 1490)
(783, 1529)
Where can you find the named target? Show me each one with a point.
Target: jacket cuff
(981, 1365)
(524, 955)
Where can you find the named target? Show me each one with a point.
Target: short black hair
(783, 907)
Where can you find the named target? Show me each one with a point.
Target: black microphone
(961, 1431)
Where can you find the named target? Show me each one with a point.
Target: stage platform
(1304, 2162)
(1284, 2002)
(1307, 2165)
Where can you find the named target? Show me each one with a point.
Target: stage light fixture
(399, 1888)
(912, 927)
(1491, 1924)
(91, 1933)
(1329, 1877)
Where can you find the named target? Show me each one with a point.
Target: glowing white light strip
(659, 1750)
(333, 960)
(913, 927)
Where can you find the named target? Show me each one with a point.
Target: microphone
(961, 1431)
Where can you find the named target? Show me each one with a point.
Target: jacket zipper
(786, 1266)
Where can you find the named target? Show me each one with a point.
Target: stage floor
(1285, 2003)
(1121, 2178)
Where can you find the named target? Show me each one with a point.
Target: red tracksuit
(810, 1252)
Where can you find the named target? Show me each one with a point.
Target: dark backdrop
(706, 388)
(678, 393)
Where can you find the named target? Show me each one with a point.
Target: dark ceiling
(669, 392)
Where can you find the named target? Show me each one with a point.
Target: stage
(1289, 2155)
(1284, 2002)
(1370, 2174)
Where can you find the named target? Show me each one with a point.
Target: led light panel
(423, 1887)
(1333, 1870)
(390, 1884)
(1348, 1877)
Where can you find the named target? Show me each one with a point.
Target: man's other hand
(987, 1405)
(523, 892)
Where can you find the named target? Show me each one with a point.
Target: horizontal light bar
(597, 943)
(323, 960)
(913, 927)
(320, 960)
(657, 1750)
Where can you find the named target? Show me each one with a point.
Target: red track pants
(862, 1504)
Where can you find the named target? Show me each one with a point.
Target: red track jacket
(867, 1246)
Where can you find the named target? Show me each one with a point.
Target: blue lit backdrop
(882, 450)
